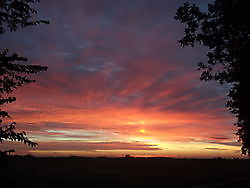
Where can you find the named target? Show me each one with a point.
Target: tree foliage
(225, 29)
(13, 74)
(17, 13)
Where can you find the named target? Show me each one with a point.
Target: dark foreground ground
(121, 172)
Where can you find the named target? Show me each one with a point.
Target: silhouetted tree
(15, 14)
(225, 29)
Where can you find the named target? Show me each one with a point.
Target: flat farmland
(125, 172)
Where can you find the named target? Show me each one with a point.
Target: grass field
(121, 172)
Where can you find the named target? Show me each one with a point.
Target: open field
(122, 172)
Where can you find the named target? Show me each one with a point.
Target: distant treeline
(119, 158)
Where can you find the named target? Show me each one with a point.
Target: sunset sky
(118, 83)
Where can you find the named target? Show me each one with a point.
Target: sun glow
(142, 131)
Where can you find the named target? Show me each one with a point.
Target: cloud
(84, 146)
(113, 65)
(219, 138)
(217, 149)
(227, 143)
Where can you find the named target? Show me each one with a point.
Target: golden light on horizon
(142, 131)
